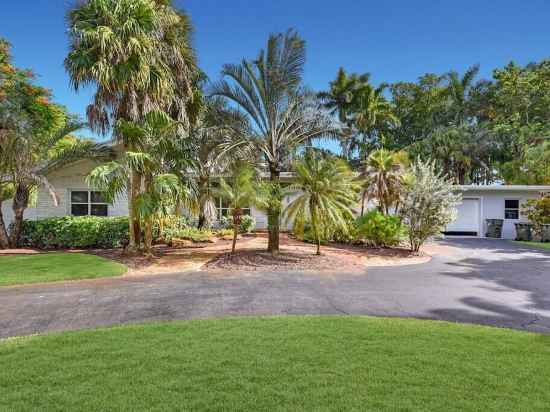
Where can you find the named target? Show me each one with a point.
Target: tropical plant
(380, 230)
(240, 193)
(155, 141)
(538, 212)
(459, 89)
(428, 204)
(325, 192)
(382, 179)
(282, 114)
(138, 56)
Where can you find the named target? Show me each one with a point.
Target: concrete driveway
(489, 282)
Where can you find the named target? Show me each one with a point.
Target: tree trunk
(4, 241)
(148, 238)
(235, 234)
(273, 216)
(203, 185)
(315, 224)
(133, 221)
(20, 203)
(363, 198)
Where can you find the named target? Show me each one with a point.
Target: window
(511, 209)
(88, 203)
(223, 209)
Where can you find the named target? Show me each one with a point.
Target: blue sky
(393, 40)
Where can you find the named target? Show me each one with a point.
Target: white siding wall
(492, 207)
(65, 180)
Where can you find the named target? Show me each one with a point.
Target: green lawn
(539, 245)
(286, 363)
(50, 267)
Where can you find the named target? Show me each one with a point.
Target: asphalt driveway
(489, 282)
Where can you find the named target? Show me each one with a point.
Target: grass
(539, 245)
(286, 363)
(50, 267)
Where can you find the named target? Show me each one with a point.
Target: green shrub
(224, 232)
(170, 225)
(75, 232)
(248, 223)
(193, 234)
(380, 230)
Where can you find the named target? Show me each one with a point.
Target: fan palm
(382, 178)
(325, 194)
(137, 55)
(281, 113)
(240, 192)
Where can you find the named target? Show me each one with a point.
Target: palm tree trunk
(235, 234)
(203, 185)
(4, 241)
(148, 238)
(133, 223)
(363, 198)
(315, 224)
(20, 202)
(273, 217)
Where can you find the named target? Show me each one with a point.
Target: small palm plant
(239, 192)
(325, 194)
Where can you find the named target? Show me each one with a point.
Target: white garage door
(467, 220)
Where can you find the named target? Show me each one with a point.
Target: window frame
(89, 202)
(218, 201)
(518, 209)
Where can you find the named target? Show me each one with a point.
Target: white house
(492, 202)
(479, 202)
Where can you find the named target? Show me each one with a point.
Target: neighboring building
(77, 198)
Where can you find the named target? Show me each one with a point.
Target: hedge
(75, 232)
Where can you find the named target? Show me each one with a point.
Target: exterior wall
(492, 207)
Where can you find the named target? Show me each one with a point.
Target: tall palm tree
(326, 192)
(240, 192)
(340, 99)
(282, 115)
(373, 116)
(458, 89)
(382, 178)
(137, 55)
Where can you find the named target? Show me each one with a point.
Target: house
(492, 202)
(479, 203)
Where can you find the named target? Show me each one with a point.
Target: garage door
(467, 221)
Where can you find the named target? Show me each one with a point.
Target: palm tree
(382, 178)
(240, 193)
(155, 141)
(458, 89)
(282, 115)
(326, 193)
(137, 55)
(373, 115)
(340, 99)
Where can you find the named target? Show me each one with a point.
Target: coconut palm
(282, 115)
(137, 55)
(458, 89)
(239, 192)
(373, 115)
(325, 194)
(382, 178)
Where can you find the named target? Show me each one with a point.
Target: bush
(379, 230)
(224, 232)
(248, 223)
(538, 213)
(170, 226)
(193, 234)
(428, 204)
(75, 232)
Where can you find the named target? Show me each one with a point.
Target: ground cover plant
(51, 267)
(288, 363)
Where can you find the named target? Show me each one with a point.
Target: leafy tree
(460, 90)
(429, 203)
(240, 192)
(325, 194)
(282, 114)
(137, 55)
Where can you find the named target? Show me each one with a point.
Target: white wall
(492, 207)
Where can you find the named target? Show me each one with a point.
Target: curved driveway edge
(488, 282)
